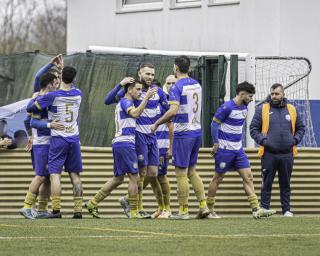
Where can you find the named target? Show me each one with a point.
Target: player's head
(21, 138)
(170, 80)
(276, 93)
(146, 73)
(245, 92)
(181, 65)
(68, 74)
(48, 82)
(134, 89)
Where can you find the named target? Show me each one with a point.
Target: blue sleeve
(111, 96)
(163, 99)
(222, 113)
(43, 70)
(30, 106)
(214, 132)
(121, 93)
(256, 127)
(41, 102)
(126, 104)
(39, 124)
(27, 122)
(175, 93)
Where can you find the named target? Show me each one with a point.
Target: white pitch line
(66, 237)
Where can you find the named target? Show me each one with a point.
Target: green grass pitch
(227, 236)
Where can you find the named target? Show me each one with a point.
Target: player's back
(65, 108)
(188, 93)
(232, 118)
(124, 123)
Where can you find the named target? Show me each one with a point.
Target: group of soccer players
(151, 125)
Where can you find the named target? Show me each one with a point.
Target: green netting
(97, 74)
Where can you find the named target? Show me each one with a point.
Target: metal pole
(250, 77)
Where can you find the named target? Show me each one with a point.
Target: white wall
(260, 27)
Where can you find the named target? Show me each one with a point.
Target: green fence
(97, 74)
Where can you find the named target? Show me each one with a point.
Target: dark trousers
(270, 163)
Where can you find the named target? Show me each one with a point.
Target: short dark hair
(245, 86)
(131, 85)
(146, 65)
(46, 79)
(19, 134)
(276, 85)
(183, 63)
(68, 74)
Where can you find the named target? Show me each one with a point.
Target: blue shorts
(147, 150)
(39, 157)
(125, 159)
(229, 160)
(64, 153)
(163, 167)
(185, 151)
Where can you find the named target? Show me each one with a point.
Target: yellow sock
(183, 192)
(183, 209)
(202, 204)
(140, 194)
(77, 203)
(29, 200)
(210, 202)
(56, 203)
(157, 191)
(254, 203)
(165, 187)
(133, 201)
(198, 188)
(43, 203)
(98, 197)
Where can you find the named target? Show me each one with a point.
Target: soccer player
(40, 151)
(64, 149)
(123, 149)
(185, 107)
(165, 138)
(226, 132)
(146, 141)
(54, 67)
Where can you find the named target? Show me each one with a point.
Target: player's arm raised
(112, 96)
(136, 112)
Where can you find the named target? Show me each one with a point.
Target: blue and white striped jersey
(187, 92)
(152, 111)
(41, 136)
(231, 118)
(63, 106)
(125, 124)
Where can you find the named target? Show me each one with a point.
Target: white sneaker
(262, 213)
(165, 215)
(213, 215)
(288, 214)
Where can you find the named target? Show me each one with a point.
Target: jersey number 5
(69, 112)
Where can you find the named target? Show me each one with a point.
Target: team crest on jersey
(288, 118)
(222, 165)
(135, 165)
(140, 157)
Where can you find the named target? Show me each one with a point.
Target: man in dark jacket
(277, 128)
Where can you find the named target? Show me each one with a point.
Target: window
(124, 6)
(126, 2)
(222, 2)
(178, 4)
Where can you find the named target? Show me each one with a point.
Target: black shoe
(54, 215)
(77, 215)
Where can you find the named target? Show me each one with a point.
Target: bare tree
(27, 25)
